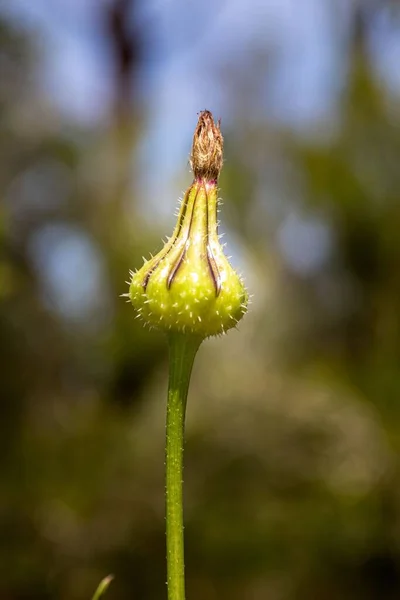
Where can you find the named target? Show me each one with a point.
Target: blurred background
(292, 480)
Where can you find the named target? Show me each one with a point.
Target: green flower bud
(189, 286)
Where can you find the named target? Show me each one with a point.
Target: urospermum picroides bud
(189, 286)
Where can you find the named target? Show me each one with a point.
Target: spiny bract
(189, 286)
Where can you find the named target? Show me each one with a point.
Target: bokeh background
(292, 479)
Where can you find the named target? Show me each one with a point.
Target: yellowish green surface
(189, 286)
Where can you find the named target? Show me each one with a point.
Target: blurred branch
(125, 45)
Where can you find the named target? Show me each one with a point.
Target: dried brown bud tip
(207, 150)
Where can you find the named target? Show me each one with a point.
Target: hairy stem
(182, 351)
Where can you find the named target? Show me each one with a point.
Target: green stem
(182, 351)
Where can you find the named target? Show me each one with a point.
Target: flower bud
(189, 286)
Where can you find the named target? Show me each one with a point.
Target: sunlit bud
(189, 286)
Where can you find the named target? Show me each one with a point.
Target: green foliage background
(292, 486)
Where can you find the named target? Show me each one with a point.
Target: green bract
(190, 285)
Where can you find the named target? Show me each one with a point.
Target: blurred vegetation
(292, 464)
